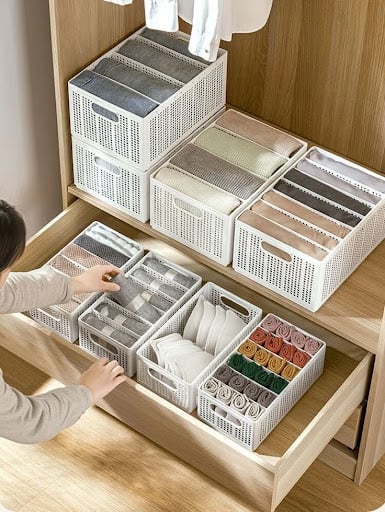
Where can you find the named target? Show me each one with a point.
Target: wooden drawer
(263, 477)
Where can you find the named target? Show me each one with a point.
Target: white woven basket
(248, 432)
(63, 318)
(196, 225)
(102, 345)
(297, 276)
(141, 142)
(167, 385)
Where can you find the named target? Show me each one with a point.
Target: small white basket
(248, 432)
(196, 225)
(297, 276)
(141, 142)
(167, 385)
(102, 345)
(74, 260)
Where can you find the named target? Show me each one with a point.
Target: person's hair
(12, 235)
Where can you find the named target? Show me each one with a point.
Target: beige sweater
(33, 419)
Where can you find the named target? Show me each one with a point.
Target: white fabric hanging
(120, 2)
(161, 14)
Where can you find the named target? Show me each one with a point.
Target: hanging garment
(161, 14)
(119, 2)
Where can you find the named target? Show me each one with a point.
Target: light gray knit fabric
(163, 269)
(169, 290)
(104, 328)
(113, 313)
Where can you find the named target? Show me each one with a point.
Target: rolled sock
(301, 358)
(289, 372)
(259, 336)
(274, 344)
(262, 357)
(254, 411)
(276, 364)
(252, 391)
(248, 349)
(102, 250)
(297, 338)
(270, 323)
(239, 402)
(278, 384)
(211, 386)
(283, 330)
(250, 370)
(114, 314)
(155, 88)
(236, 362)
(237, 382)
(159, 60)
(117, 335)
(169, 273)
(171, 291)
(240, 152)
(287, 351)
(266, 398)
(216, 171)
(225, 394)
(312, 346)
(114, 93)
(130, 296)
(263, 377)
(224, 373)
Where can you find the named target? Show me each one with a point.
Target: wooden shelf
(353, 312)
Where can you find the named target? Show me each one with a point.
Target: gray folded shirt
(117, 335)
(158, 60)
(151, 86)
(169, 273)
(218, 172)
(114, 93)
(103, 251)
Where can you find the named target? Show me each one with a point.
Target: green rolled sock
(263, 377)
(250, 369)
(236, 362)
(278, 384)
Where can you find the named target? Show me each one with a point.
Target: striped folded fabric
(203, 192)
(306, 213)
(283, 235)
(261, 133)
(216, 171)
(159, 60)
(240, 152)
(348, 170)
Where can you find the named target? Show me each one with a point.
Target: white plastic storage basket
(196, 225)
(298, 276)
(102, 345)
(115, 182)
(141, 142)
(163, 382)
(251, 432)
(74, 260)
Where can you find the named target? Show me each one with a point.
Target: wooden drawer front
(263, 477)
(349, 433)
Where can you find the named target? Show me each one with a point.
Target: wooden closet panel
(317, 70)
(82, 30)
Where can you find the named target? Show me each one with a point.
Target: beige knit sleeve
(34, 419)
(39, 288)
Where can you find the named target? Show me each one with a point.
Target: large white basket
(63, 318)
(248, 432)
(167, 385)
(196, 225)
(101, 345)
(297, 276)
(141, 142)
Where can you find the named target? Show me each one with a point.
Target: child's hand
(95, 279)
(102, 377)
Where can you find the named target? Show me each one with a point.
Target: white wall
(29, 164)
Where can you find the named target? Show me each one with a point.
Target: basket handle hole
(234, 421)
(279, 253)
(104, 344)
(235, 306)
(106, 166)
(168, 383)
(192, 210)
(104, 112)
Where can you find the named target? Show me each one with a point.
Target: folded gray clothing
(224, 373)
(212, 169)
(117, 335)
(113, 313)
(312, 169)
(151, 86)
(266, 398)
(169, 273)
(252, 391)
(158, 60)
(171, 291)
(103, 251)
(135, 298)
(316, 186)
(169, 41)
(238, 382)
(114, 93)
(370, 180)
(317, 204)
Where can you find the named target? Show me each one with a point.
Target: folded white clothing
(232, 326)
(192, 325)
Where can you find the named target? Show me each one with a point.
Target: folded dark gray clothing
(312, 169)
(252, 391)
(169, 273)
(224, 373)
(137, 299)
(151, 86)
(114, 93)
(169, 290)
(216, 171)
(170, 41)
(238, 382)
(117, 335)
(158, 60)
(113, 313)
(317, 204)
(265, 398)
(369, 179)
(103, 251)
(316, 186)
